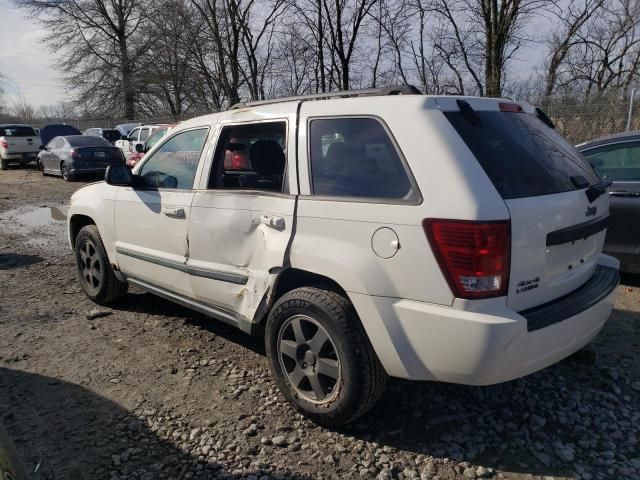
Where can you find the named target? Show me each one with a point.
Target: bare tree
(346, 20)
(571, 19)
(98, 44)
(22, 109)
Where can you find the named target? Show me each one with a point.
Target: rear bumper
(475, 342)
(87, 171)
(20, 157)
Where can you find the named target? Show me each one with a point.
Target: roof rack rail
(381, 91)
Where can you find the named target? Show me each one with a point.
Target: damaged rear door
(242, 217)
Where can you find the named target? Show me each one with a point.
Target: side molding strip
(195, 271)
(217, 313)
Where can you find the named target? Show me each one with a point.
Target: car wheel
(94, 269)
(65, 173)
(321, 358)
(4, 164)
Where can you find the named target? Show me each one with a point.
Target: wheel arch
(76, 223)
(287, 280)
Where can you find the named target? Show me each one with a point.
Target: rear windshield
(17, 131)
(522, 156)
(111, 135)
(87, 141)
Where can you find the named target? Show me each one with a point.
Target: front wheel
(94, 270)
(321, 357)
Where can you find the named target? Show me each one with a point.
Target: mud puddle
(44, 226)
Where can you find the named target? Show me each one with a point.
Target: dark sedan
(617, 158)
(76, 155)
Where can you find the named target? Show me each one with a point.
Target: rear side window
(619, 162)
(111, 135)
(355, 157)
(174, 164)
(17, 131)
(521, 155)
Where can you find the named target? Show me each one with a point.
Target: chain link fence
(585, 118)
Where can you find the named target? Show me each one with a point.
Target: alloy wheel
(309, 359)
(91, 267)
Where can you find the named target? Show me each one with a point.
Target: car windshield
(87, 141)
(17, 131)
(153, 139)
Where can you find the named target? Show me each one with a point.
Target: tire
(4, 164)
(346, 353)
(94, 269)
(65, 173)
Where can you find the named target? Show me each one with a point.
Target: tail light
(75, 154)
(4, 144)
(473, 256)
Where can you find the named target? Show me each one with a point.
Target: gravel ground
(149, 390)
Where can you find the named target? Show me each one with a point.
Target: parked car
(451, 239)
(110, 134)
(52, 130)
(142, 149)
(138, 136)
(617, 159)
(76, 155)
(18, 144)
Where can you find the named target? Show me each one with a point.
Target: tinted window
(17, 131)
(521, 155)
(87, 141)
(355, 157)
(616, 162)
(174, 164)
(251, 157)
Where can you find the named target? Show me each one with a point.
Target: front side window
(355, 157)
(56, 143)
(616, 162)
(144, 134)
(133, 136)
(251, 157)
(174, 164)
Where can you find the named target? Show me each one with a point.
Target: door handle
(273, 221)
(174, 212)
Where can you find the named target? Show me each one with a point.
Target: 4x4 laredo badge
(526, 285)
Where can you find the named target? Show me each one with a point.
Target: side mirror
(42, 147)
(119, 176)
(140, 148)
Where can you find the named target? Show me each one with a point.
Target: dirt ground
(153, 390)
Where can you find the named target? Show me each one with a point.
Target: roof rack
(381, 91)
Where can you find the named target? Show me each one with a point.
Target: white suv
(453, 239)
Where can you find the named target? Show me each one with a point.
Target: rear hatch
(556, 200)
(20, 139)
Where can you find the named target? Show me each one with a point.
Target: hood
(56, 130)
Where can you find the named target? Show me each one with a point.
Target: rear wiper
(594, 192)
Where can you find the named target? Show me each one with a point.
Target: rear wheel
(94, 270)
(65, 173)
(321, 358)
(4, 164)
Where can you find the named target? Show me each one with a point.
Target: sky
(29, 68)
(26, 65)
